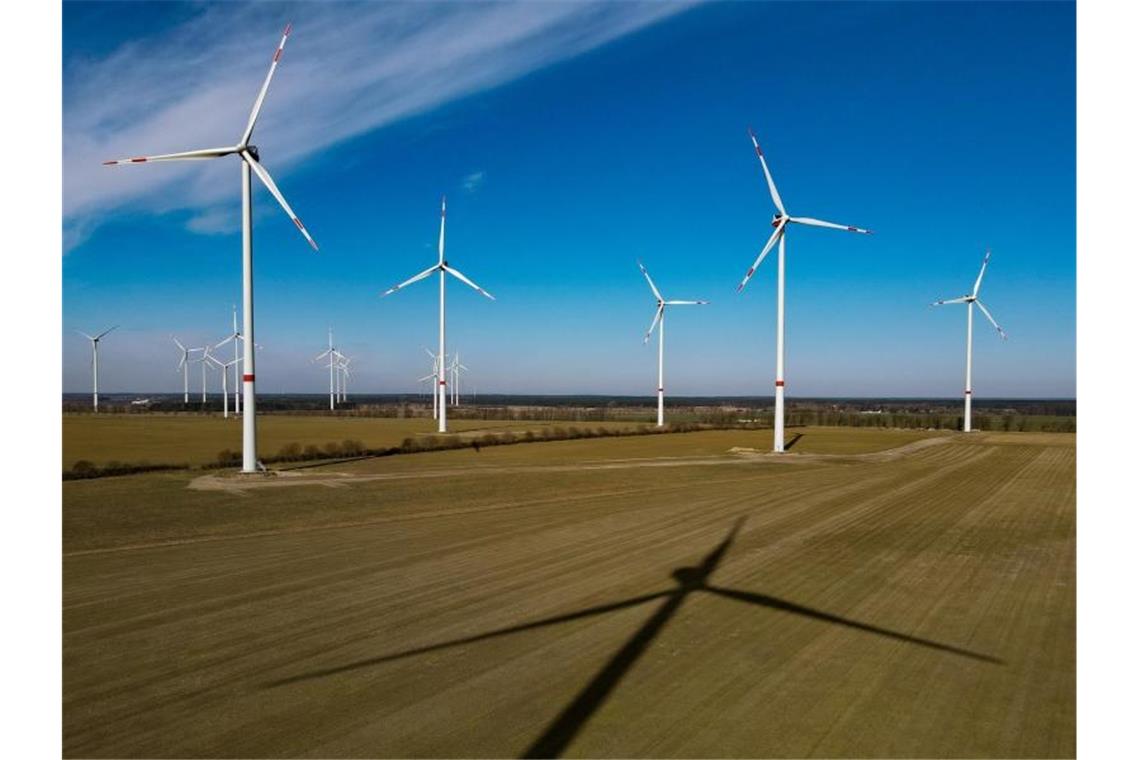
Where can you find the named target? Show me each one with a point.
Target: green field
(641, 596)
(197, 439)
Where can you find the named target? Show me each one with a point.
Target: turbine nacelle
(778, 219)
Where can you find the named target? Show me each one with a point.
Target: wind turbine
(659, 322)
(329, 352)
(95, 361)
(205, 362)
(970, 300)
(184, 365)
(444, 269)
(780, 221)
(225, 370)
(250, 162)
(460, 368)
(342, 367)
(435, 362)
(234, 337)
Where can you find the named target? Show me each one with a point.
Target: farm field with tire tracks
(870, 593)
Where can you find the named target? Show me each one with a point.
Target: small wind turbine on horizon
(250, 162)
(224, 368)
(659, 323)
(330, 352)
(780, 221)
(444, 269)
(970, 301)
(234, 337)
(184, 365)
(95, 362)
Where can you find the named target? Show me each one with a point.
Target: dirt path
(330, 479)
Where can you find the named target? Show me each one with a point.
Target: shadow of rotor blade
(599, 610)
(709, 563)
(565, 727)
(779, 604)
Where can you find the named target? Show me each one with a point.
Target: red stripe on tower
(247, 378)
(969, 393)
(779, 383)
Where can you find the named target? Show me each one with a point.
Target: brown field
(648, 596)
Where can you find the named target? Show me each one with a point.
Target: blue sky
(571, 141)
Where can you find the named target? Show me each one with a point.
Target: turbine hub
(252, 149)
(776, 219)
(689, 577)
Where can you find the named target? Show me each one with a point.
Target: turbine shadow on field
(795, 439)
(565, 726)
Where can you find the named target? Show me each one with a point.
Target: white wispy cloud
(473, 180)
(348, 69)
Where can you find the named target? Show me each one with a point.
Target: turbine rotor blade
(685, 303)
(945, 301)
(409, 281)
(263, 175)
(656, 318)
(981, 273)
(264, 88)
(463, 278)
(188, 155)
(767, 174)
(831, 225)
(990, 317)
(767, 247)
(649, 279)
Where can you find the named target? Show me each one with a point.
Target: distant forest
(1045, 415)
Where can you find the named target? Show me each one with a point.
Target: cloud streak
(348, 69)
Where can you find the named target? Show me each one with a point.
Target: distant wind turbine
(250, 162)
(444, 269)
(330, 352)
(659, 322)
(780, 222)
(970, 300)
(184, 365)
(95, 362)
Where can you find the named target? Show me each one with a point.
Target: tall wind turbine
(970, 300)
(184, 365)
(780, 221)
(250, 162)
(95, 362)
(659, 323)
(444, 269)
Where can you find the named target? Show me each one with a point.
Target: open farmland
(196, 439)
(648, 596)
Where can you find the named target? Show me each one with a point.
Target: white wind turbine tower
(780, 221)
(184, 365)
(970, 301)
(659, 323)
(250, 162)
(95, 362)
(444, 269)
(330, 352)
